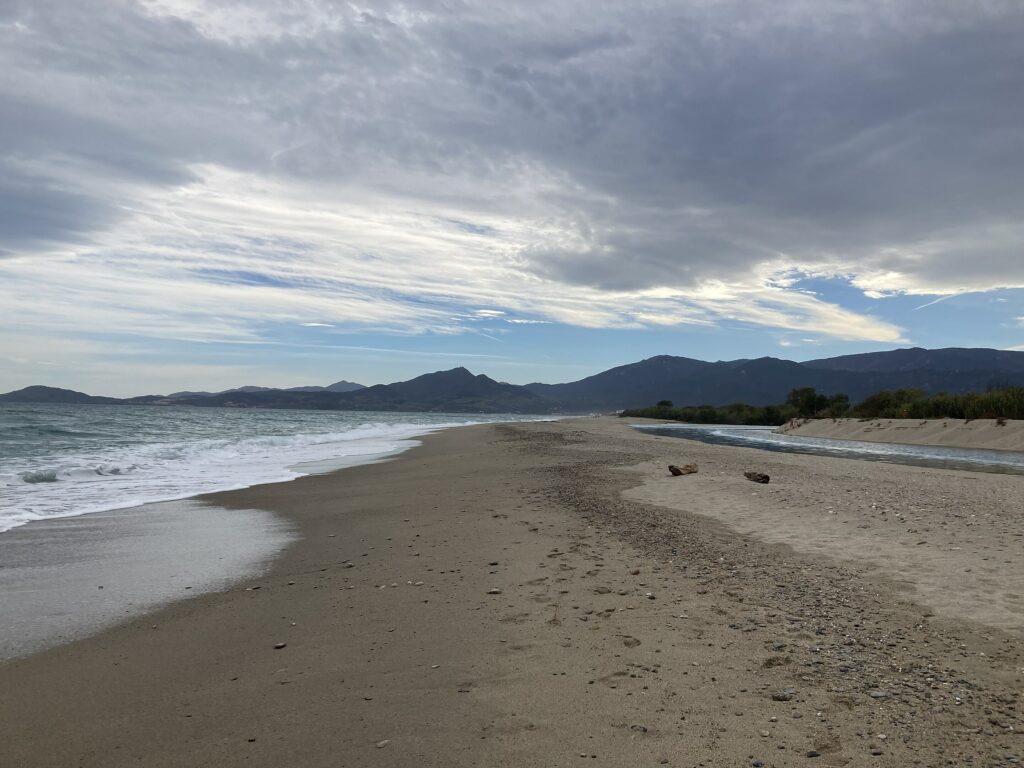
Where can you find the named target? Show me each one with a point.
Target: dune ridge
(984, 434)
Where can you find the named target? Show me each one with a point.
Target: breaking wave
(142, 455)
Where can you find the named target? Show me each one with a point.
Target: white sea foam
(78, 480)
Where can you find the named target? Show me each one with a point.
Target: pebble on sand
(493, 591)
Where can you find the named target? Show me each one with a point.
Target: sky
(201, 194)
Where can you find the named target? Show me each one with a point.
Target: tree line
(808, 403)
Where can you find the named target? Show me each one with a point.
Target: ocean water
(765, 438)
(66, 460)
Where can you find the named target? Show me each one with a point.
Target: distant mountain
(40, 394)
(456, 390)
(338, 386)
(683, 380)
(188, 393)
(916, 359)
(344, 386)
(768, 380)
(643, 383)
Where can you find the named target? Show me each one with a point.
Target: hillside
(457, 391)
(636, 383)
(338, 386)
(917, 359)
(683, 380)
(56, 396)
(768, 380)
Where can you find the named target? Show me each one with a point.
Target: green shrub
(805, 402)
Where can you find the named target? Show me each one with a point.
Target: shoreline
(88, 478)
(65, 579)
(44, 563)
(385, 609)
(982, 434)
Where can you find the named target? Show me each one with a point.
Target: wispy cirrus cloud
(204, 261)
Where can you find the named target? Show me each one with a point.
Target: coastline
(985, 434)
(141, 457)
(66, 578)
(385, 609)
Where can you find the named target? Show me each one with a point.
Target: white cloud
(231, 254)
(213, 170)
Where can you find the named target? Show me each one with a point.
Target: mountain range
(685, 381)
(338, 386)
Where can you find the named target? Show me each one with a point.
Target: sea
(97, 523)
(60, 461)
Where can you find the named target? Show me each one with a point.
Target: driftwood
(757, 477)
(686, 469)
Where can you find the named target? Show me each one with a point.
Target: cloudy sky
(208, 193)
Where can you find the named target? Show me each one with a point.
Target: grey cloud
(697, 140)
(34, 213)
(39, 130)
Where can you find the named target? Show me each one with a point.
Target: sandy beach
(990, 434)
(545, 594)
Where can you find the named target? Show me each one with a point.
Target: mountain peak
(685, 381)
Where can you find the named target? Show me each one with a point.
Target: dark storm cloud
(671, 143)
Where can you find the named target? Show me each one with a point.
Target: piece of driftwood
(757, 477)
(686, 469)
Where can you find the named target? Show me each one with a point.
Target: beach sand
(63, 579)
(988, 434)
(492, 599)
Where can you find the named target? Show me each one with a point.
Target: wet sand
(492, 599)
(66, 578)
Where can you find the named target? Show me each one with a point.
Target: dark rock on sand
(686, 469)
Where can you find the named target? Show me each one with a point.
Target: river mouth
(766, 439)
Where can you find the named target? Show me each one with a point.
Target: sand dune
(1000, 435)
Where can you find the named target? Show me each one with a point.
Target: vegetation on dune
(806, 402)
(914, 404)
